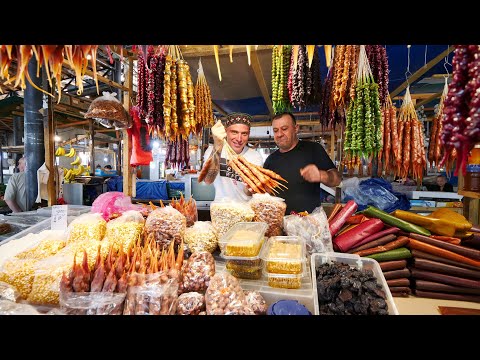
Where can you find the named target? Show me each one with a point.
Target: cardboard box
(454, 204)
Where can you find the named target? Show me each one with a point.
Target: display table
(424, 306)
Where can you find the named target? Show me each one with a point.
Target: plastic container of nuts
(244, 239)
(284, 255)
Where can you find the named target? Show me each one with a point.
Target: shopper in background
(304, 164)
(16, 193)
(443, 184)
(236, 130)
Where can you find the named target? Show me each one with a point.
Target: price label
(59, 217)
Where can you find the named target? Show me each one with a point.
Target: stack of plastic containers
(241, 246)
(284, 261)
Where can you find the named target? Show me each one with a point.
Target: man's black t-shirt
(301, 194)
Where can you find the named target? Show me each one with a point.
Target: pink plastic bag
(112, 204)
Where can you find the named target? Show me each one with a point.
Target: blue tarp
(146, 190)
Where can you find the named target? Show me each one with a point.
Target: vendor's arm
(9, 196)
(312, 173)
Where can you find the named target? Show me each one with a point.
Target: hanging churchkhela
(461, 114)
(435, 148)
(363, 129)
(203, 102)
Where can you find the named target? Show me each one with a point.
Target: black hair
(107, 166)
(279, 115)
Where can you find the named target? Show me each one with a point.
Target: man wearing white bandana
(236, 130)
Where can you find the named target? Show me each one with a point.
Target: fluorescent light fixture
(57, 138)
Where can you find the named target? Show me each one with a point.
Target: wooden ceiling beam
(416, 96)
(195, 51)
(417, 74)
(427, 100)
(257, 70)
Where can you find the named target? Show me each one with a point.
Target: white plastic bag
(226, 212)
(313, 228)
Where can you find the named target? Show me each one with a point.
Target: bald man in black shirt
(304, 164)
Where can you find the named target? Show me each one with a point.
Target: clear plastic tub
(354, 261)
(285, 281)
(304, 295)
(244, 267)
(284, 255)
(243, 239)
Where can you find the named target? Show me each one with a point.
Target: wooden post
(332, 145)
(49, 134)
(127, 170)
(92, 147)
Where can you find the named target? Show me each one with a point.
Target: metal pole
(17, 136)
(33, 130)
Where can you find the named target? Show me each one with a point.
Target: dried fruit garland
(304, 83)
(461, 119)
(412, 160)
(177, 154)
(363, 136)
(377, 56)
(203, 102)
(345, 68)
(435, 149)
(280, 71)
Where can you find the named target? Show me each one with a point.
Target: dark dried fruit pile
(347, 291)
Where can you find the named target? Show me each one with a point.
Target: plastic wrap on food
(201, 237)
(8, 292)
(313, 228)
(125, 230)
(271, 210)
(197, 273)
(164, 225)
(46, 282)
(151, 294)
(108, 111)
(47, 247)
(20, 274)
(91, 247)
(256, 301)
(224, 296)
(11, 308)
(86, 227)
(226, 213)
(92, 303)
(191, 303)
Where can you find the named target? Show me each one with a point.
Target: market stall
(251, 257)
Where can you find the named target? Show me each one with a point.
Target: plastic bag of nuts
(269, 209)
(191, 303)
(313, 228)
(201, 237)
(152, 294)
(109, 112)
(166, 224)
(197, 273)
(256, 301)
(224, 296)
(226, 213)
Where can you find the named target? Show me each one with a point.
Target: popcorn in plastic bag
(86, 227)
(225, 213)
(201, 237)
(125, 230)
